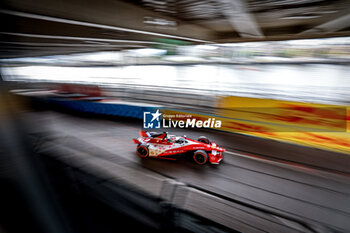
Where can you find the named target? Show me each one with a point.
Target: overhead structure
(37, 28)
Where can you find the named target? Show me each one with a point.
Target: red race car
(164, 146)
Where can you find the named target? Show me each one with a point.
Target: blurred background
(76, 77)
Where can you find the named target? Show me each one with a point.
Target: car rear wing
(136, 141)
(157, 135)
(145, 134)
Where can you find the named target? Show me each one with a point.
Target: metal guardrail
(124, 88)
(170, 96)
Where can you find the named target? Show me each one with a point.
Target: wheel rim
(142, 151)
(199, 158)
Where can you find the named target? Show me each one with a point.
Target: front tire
(200, 157)
(203, 139)
(142, 151)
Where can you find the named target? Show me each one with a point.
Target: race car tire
(142, 151)
(200, 157)
(203, 139)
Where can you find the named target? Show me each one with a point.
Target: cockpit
(169, 138)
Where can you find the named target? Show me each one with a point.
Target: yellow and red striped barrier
(314, 125)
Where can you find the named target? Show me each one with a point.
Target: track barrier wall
(313, 125)
(321, 126)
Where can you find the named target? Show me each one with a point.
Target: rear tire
(200, 157)
(203, 139)
(142, 151)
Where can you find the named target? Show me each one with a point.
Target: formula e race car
(164, 146)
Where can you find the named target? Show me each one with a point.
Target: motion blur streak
(25, 198)
(307, 83)
(81, 78)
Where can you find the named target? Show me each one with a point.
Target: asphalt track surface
(315, 197)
